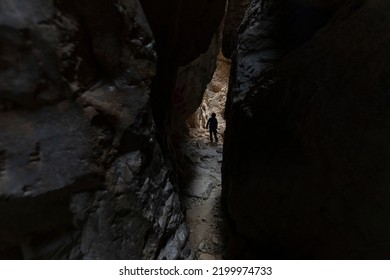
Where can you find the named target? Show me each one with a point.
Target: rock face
(306, 148)
(183, 30)
(234, 15)
(81, 174)
(191, 83)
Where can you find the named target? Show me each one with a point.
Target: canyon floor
(203, 198)
(202, 173)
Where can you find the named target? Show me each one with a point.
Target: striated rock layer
(306, 155)
(81, 173)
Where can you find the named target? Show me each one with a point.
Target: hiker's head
(213, 115)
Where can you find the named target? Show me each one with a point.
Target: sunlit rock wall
(81, 173)
(306, 155)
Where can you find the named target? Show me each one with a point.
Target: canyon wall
(306, 154)
(82, 173)
(183, 29)
(235, 13)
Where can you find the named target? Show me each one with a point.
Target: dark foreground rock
(305, 171)
(81, 173)
(234, 15)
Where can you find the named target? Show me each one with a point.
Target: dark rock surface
(81, 174)
(191, 83)
(306, 155)
(183, 29)
(234, 15)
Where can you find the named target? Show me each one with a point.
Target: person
(212, 125)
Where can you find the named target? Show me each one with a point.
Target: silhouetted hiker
(212, 124)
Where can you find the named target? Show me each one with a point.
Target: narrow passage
(202, 190)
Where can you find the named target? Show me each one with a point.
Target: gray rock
(202, 246)
(45, 150)
(81, 176)
(81, 173)
(177, 247)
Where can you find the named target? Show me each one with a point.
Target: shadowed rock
(306, 148)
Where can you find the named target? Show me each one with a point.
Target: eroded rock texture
(81, 174)
(306, 160)
(183, 29)
(234, 15)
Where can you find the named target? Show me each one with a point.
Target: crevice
(200, 173)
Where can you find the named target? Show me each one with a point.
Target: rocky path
(203, 197)
(202, 162)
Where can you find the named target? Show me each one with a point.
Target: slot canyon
(104, 150)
